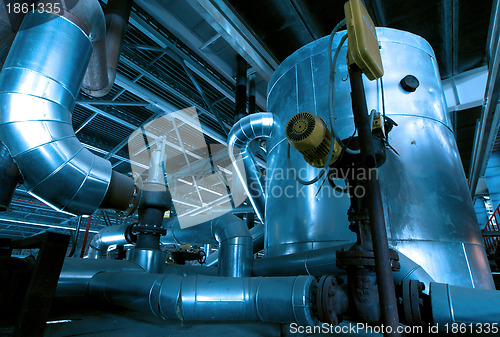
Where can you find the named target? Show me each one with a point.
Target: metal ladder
(491, 241)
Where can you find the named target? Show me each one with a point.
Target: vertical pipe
(252, 105)
(241, 88)
(84, 243)
(103, 65)
(377, 222)
(252, 108)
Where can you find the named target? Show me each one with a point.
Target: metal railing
(493, 224)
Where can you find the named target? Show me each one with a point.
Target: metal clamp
(136, 197)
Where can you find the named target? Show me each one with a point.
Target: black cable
(75, 237)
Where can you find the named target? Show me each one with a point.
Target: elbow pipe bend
(232, 235)
(218, 230)
(241, 135)
(39, 84)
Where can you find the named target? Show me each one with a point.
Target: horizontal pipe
(324, 262)
(202, 298)
(113, 235)
(462, 305)
(246, 130)
(313, 262)
(77, 273)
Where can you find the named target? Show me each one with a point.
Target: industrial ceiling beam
(487, 128)
(109, 116)
(307, 19)
(449, 28)
(163, 105)
(226, 22)
(375, 8)
(176, 93)
(112, 103)
(465, 90)
(173, 49)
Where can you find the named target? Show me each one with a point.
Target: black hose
(75, 237)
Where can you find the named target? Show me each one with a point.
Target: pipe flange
(149, 230)
(411, 301)
(364, 258)
(325, 300)
(136, 197)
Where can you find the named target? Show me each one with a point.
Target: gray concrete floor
(123, 323)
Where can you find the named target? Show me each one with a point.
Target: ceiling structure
(179, 54)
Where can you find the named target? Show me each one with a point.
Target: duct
(314, 262)
(257, 233)
(90, 18)
(113, 235)
(77, 273)
(39, 83)
(235, 241)
(103, 65)
(195, 298)
(463, 305)
(324, 262)
(241, 135)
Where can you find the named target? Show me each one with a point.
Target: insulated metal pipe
(101, 73)
(257, 233)
(193, 298)
(241, 135)
(410, 270)
(77, 273)
(463, 305)
(232, 234)
(88, 15)
(313, 262)
(39, 83)
(323, 262)
(112, 235)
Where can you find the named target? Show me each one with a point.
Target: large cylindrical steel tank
(428, 210)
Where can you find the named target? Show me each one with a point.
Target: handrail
(493, 224)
